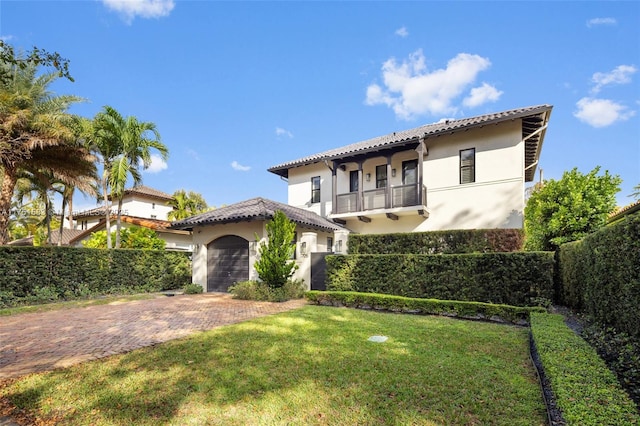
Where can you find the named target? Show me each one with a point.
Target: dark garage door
(227, 262)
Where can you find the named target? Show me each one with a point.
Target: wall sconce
(253, 248)
(393, 172)
(339, 246)
(197, 247)
(303, 249)
(368, 177)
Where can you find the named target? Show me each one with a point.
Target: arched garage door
(227, 262)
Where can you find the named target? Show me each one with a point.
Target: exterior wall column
(308, 244)
(360, 187)
(420, 171)
(340, 239)
(334, 188)
(387, 190)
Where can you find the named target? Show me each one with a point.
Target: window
(315, 189)
(153, 216)
(381, 176)
(409, 175)
(353, 181)
(153, 205)
(330, 244)
(468, 165)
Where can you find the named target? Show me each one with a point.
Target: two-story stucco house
(454, 174)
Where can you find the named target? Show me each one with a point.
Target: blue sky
(237, 87)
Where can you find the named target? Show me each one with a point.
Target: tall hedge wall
(33, 273)
(519, 279)
(600, 275)
(439, 242)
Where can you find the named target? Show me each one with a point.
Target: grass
(309, 366)
(75, 304)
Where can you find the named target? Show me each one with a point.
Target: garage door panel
(227, 262)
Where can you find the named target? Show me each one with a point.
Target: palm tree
(186, 204)
(36, 132)
(124, 145)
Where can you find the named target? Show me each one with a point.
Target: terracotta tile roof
(67, 236)
(623, 211)
(533, 118)
(256, 209)
(149, 192)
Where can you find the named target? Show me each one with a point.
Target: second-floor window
(468, 165)
(381, 176)
(315, 189)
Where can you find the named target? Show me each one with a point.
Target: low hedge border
(385, 302)
(585, 390)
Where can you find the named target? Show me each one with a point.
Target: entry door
(227, 262)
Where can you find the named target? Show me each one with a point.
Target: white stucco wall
(494, 200)
(202, 236)
(145, 207)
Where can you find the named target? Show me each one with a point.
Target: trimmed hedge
(41, 274)
(439, 242)
(585, 390)
(519, 279)
(468, 310)
(600, 275)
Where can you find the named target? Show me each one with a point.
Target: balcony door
(407, 194)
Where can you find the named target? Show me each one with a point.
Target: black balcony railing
(374, 199)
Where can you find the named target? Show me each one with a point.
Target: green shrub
(192, 289)
(586, 391)
(259, 290)
(621, 352)
(469, 310)
(438, 242)
(520, 279)
(600, 275)
(43, 274)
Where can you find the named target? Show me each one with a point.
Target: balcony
(390, 201)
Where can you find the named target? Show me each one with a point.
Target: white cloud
(410, 89)
(619, 75)
(601, 112)
(237, 166)
(283, 132)
(601, 21)
(481, 95)
(129, 9)
(402, 32)
(157, 164)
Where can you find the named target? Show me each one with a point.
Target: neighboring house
(141, 206)
(227, 240)
(454, 174)
(139, 201)
(174, 239)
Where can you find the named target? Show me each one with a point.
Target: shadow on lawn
(316, 364)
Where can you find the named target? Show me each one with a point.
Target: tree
(123, 144)
(186, 204)
(134, 237)
(274, 265)
(36, 133)
(636, 192)
(568, 209)
(35, 57)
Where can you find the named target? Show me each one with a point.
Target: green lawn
(309, 366)
(76, 303)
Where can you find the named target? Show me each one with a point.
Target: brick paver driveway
(49, 340)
